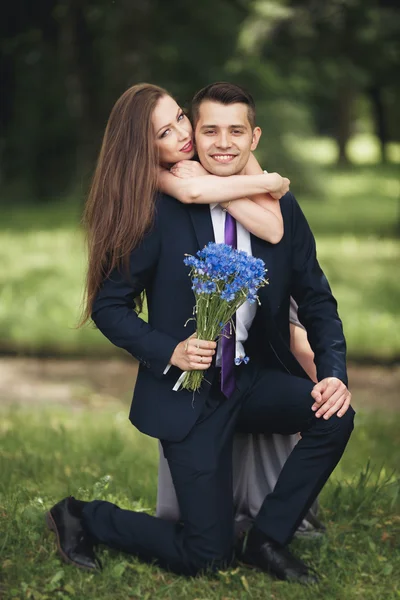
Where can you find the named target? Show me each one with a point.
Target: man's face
(224, 137)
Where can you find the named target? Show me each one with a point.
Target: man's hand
(193, 354)
(330, 396)
(188, 168)
(277, 186)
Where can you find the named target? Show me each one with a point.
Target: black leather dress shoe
(276, 560)
(73, 543)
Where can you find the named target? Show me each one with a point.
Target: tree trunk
(77, 54)
(375, 94)
(344, 110)
(7, 99)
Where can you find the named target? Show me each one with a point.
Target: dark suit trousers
(267, 400)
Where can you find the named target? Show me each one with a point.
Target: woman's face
(173, 132)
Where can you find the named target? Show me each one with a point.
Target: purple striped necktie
(228, 344)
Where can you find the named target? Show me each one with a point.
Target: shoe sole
(273, 575)
(53, 527)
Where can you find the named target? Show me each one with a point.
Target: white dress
(257, 461)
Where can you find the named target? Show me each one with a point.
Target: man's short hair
(224, 93)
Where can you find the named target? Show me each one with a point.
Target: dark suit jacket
(157, 267)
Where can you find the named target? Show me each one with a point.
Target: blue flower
(233, 272)
(241, 359)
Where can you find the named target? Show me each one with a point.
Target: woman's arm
(259, 220)
(301, 348)
(262, 217)
(253, 166)
(268, 202)
(189, 183)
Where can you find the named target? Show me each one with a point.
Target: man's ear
(256, 138)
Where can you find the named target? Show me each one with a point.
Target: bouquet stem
(193, 380)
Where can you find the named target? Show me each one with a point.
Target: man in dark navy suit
(270, 394)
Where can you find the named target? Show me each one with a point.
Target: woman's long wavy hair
(120, 205)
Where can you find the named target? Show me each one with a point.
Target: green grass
(42, 274)
(48, 454)
(356, 222)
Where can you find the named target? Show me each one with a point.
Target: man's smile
(223, 158)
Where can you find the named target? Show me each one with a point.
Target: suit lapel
(202, 223)
(260, 248)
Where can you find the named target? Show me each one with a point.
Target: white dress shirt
(245, 313)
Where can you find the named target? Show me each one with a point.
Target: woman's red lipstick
(187, 147)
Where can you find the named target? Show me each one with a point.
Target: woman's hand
(277, 186)
(188, 168)
(193, 354)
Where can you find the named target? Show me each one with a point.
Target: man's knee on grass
(202, 564)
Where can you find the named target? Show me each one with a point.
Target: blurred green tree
(329, 52)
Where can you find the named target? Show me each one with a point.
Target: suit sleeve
(114, 315)
(317, 308)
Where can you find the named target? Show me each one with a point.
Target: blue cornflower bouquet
(223, 279)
